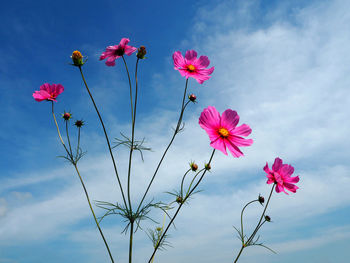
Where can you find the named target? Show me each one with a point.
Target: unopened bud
(261, 199)
(179, 200)
(66, 116)
(159, 229)
(207, 166)
(79, 123)
(193, 166)
(141, 52)
(192, 97)
(268, 219)
(77, 58)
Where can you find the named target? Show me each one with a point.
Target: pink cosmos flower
(114, 52)
(48, 92)
(223, 132)
(190, 66)
(281, 176)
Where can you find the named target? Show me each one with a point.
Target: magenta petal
(129, 50)
(179, 60)
(236, 152)
(200, 78)
(111, 61)
(219, 145)
(277, 164)
(266, 168)
(210, 118)
(243, 130)
(124, 41)
(290, 187)
(203, 61)
(287, 170)
(279, 188)
(190, 55)
(229, 119)
(293, 180)
(239, 141)
(205, 71)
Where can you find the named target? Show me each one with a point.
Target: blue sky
(283, 65)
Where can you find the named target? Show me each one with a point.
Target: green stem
(262, 215)
(106, 136)
(78, 144)
(70, 147)
(242, 218)
(131, 239)
(82, 183)
(183, 106)
(182, 182)
(257, 227)
(178, 209)
(189, 187)
(93, 213)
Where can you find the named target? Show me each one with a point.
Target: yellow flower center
(224, 132)
(191, 68)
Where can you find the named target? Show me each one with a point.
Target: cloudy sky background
(282, 65)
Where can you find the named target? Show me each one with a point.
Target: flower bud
(66, 116)
(79, 123)
(193, 166)
(268, 219)
(192, 97)
(77, 58)
(179, 200)
(159, 229)
(141, 52)
(261, 199)
(207, 166)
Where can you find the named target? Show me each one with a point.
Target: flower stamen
(224, 132)
(191, 68)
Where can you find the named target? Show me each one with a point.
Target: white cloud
(289, 81)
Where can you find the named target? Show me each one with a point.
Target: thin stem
(78, 144)
(239, 254)
(183, 106)
(93, 213)
(178, 209)
(70, 147)
(131, 239)
(58, 130)
(242, 218)
(257, 227)
(105, 133)
(82, 183)
(262, 215)
(182, 182)
(189, 187)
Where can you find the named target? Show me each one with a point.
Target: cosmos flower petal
(191, 55)
(281, 176)
(287, 170)
(290, 187)
(221, 130)
(124, 41)
(239, 141)
(203, 62)
(178, 59)
(129, 50)
(236, 152)
(219, 145)
(277, 164)
(210, 118)
(48, 92)
(229, 119)
(114, 52)
(192, 67)
(243, 130)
